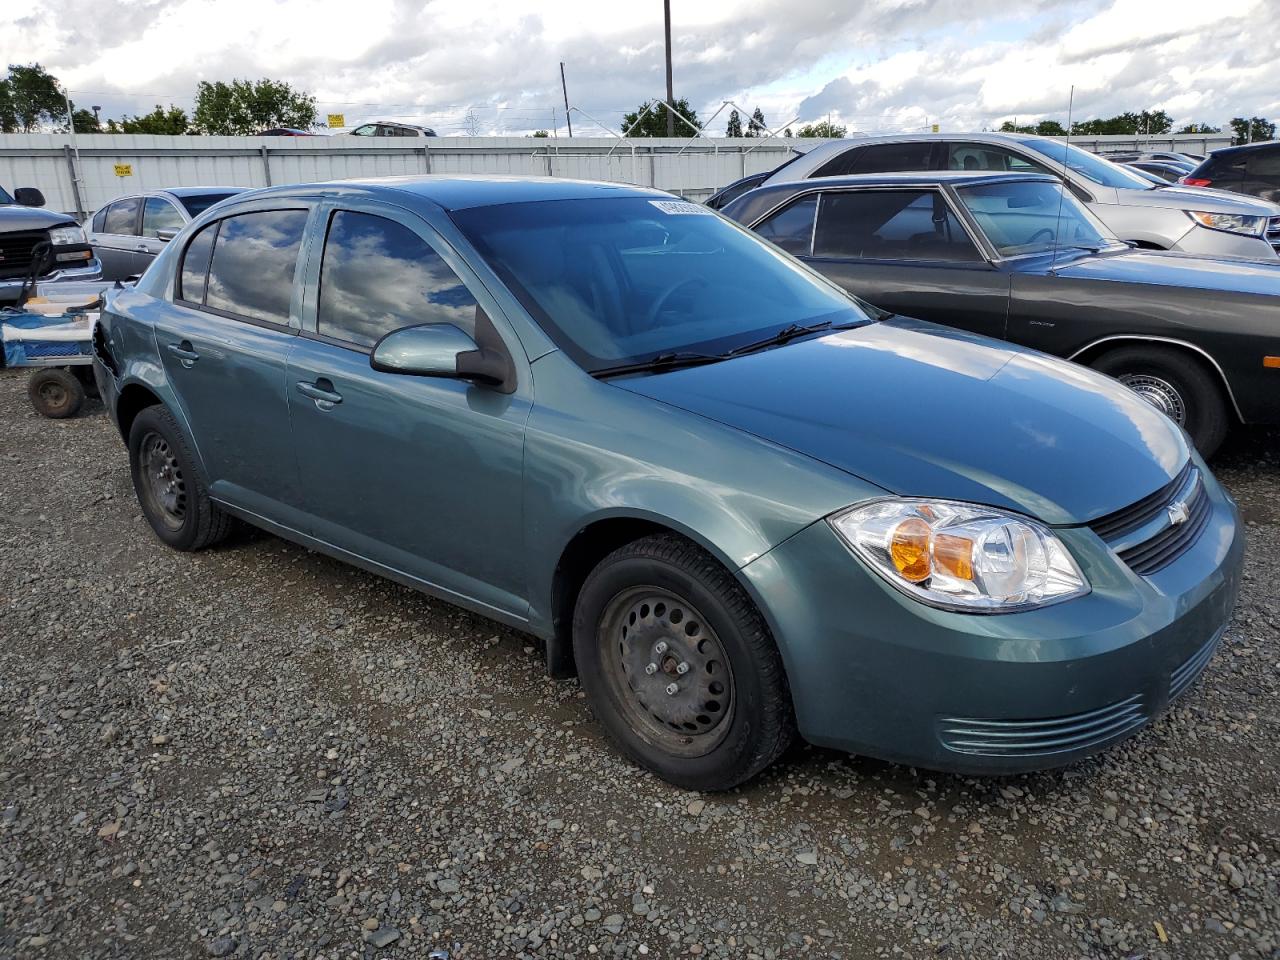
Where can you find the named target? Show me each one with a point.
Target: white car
(1188, 219)
(389, 128)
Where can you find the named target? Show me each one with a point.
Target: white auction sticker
(679, 207)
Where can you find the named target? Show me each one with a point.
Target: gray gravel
(259, 752)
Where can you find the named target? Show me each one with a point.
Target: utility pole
(564, 88)
(671, 96)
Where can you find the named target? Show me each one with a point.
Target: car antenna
(1062, 196)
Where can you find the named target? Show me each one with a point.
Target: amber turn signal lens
(909, 549)
(1273, 362)
(953, 555)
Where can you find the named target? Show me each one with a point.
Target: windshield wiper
(672, 360)
(787, 334)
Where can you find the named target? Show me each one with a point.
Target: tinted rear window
(201, 202)
(911, 157)
(195, 265)
(253, 264)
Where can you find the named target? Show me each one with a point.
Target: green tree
(245, 107)
(1045, 128)
(161, 122)
(1200, 128)
(734, 128)
(84, 121)
(756, 126)
(824, 129)
(540, 134)
(1126, 124)
(1252, 130)
(787, 132)
(652, 117)
(29, 98)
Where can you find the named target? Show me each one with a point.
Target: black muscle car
(1015, 256)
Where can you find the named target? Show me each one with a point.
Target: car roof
(918, 178)
(461, 192)
(200, 191)
(1259, 145)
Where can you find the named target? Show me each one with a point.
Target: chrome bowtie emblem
(1178, 513)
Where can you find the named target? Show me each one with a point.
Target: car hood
(921, 410)
(1200, 198)
(1161, 268)
(14, 216)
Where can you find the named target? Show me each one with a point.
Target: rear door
(224, 344)
(159, 215)
(117, 241)
(420, 475)
(903, 250)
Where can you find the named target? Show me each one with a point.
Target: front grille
(1186, 674)
(16, 249)
(1037, 738)
(1273, 233)
(1158, 529)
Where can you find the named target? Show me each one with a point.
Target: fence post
(266, 166)
(81, 212)
(426, 158)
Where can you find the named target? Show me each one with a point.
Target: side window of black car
(254, 260)
(1264, 163)
(195, 265)
(791, 228)
(891, 225)
(378, 275)
(122, 217)
(839, 165)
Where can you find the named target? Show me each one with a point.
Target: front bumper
(91, 270)
(875, 672)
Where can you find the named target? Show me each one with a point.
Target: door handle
(321, 392)
(184, 352)
(142, 248)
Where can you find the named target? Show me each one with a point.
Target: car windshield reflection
(1025, 217)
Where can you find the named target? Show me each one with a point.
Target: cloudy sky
(492, 66)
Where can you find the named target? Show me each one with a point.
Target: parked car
(727, 494)
(1169, 218)
(1157, 155)
(1164, 170)
(1017, 257)
(128, 233)
(1253, 169)
(28, 235)
(391, 128)
(724, 195)
(286, 132)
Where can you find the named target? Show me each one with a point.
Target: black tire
(168, 486)
(55, 393)
(752, 722)
(1177, 384)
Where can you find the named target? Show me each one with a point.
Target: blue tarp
(22, 342)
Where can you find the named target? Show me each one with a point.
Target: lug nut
(651, 669)
(672, 689)
(682, 668)
(660, 647)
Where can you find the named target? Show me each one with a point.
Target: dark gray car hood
(923, 410)
(15, 217)
(1228, 274)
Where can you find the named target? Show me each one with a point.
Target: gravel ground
(260, 752)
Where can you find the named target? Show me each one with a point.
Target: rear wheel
(1177, 385)
(169, 490)
(679, 666)
(55, 393)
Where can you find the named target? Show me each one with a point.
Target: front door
(420, 475)
(223, 343)
(116, 242)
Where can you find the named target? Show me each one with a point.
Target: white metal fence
(79, 178)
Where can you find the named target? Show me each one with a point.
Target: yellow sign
(337, 120)
(935, 128)
(124, 169)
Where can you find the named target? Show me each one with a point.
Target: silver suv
(1190, 219)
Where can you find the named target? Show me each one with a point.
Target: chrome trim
(1181, 343)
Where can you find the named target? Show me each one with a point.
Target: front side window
(99, 219)
(368, 130)
(984, 156)
(615, 280)
(253, 264)
(122, 217)
(1032, 216)
(378, 275)
(890, 225)
(159, 214)
(792, 227)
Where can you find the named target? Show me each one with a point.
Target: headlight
(65, 236)
(1230, 222)
(961, 556)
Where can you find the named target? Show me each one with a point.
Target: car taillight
(1191, 181)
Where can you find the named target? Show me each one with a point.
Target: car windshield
(1023, 217)
(622, 280)
(197, 204)
(1089, 165)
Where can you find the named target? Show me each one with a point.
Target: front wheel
(1178, 386)
(679, 666)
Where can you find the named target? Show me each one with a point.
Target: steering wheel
(1048, 235)
(663, 301)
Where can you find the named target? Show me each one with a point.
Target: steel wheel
(164, 487)
(668, 670)
(53, 394)
(1158, 392)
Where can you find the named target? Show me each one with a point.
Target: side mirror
(166, 234)
(439, 350)
(29, 197)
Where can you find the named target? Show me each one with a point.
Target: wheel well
(583, 553)
(1146, 245)
(1091, 355)
(133, 400)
